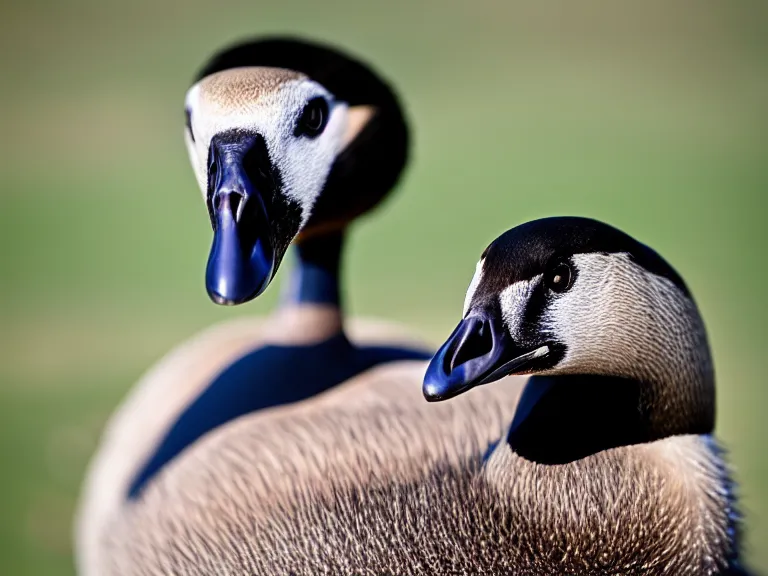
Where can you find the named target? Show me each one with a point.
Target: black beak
(242, 259)
(479, 351)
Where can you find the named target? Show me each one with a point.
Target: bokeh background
(652, 116)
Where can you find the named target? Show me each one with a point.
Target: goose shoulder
(666, 503)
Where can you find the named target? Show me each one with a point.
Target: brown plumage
(168, 388)
(369, 479)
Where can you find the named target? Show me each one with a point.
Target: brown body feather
(166, 390)
(369, 479)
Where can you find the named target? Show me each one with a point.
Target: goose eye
(313, 119)
(188, 120)
(559, 277)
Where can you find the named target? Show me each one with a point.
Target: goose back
(368, 479)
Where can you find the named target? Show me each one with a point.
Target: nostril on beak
(236, 204)
(235, 201)
(476, 341)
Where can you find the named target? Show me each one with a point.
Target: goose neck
(314, 285)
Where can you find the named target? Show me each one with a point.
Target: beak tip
(438, 385)
(239, 293)
(431, 392)
(437, 392)
(217, 298)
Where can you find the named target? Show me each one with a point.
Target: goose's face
(262, 142)
(568, 296)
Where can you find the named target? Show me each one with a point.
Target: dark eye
(559, 277)
(313, 118)
(188, 119)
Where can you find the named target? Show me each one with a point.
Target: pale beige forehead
(231, 88)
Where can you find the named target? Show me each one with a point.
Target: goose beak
(242, 260)
(479, 351)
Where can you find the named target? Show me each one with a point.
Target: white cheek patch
(620, 319)
(197, 149)
(597, 315)
(473, 286)
(304, 163)
(513, 301)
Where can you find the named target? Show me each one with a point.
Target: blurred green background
(652, 116)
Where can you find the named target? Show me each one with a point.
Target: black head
(287, 138)
(534, 247)
(571, 296)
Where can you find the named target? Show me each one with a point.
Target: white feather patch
(473, 285)
(513, 301)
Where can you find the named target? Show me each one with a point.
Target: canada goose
(610, 451)
(608, 465)
(289, 141)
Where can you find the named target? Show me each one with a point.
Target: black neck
(315, 277)
(560, 419)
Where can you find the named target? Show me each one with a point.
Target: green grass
(652, 118)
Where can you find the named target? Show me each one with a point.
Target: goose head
(287, 139)
(567, 297)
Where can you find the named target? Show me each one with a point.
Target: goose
(290, 141)
(610, 461)
(592, 455)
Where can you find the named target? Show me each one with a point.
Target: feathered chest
(398, 487)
